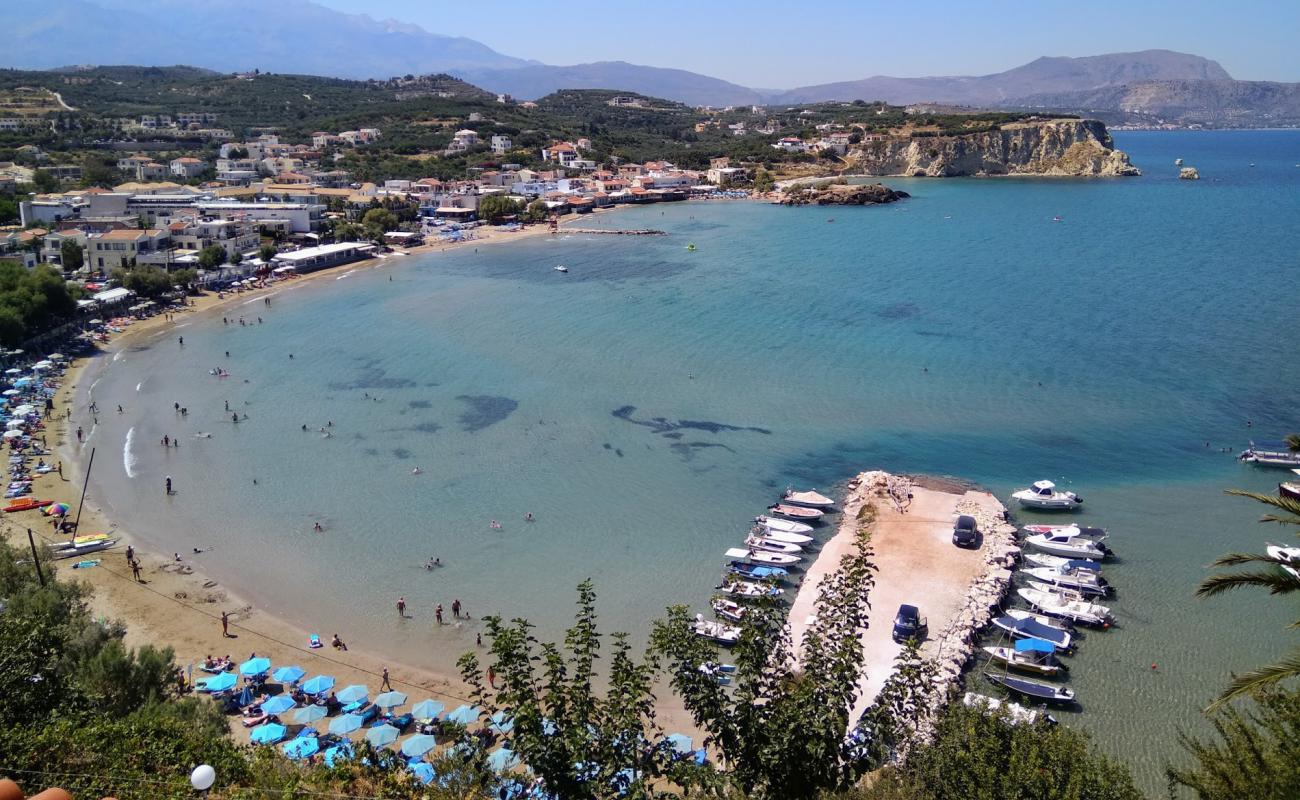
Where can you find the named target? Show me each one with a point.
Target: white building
(501, 144)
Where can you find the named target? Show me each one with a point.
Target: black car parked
(965, 533)
(908, 624)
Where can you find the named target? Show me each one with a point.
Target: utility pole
(36, 561)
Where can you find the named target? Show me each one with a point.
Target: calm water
(649, 402)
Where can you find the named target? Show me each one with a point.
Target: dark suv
(908, 624)
(965, 533)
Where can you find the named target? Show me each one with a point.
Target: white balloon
(203, 777)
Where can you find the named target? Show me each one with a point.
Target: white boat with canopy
(1043, 495)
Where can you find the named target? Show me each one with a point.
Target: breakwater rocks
(619, 231)
(840, 194)
(1189, 174)
(1055, 147)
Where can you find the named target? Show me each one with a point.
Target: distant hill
(532, 82)
(1043, 75)
(1221, 103)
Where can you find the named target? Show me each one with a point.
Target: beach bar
(310, 259)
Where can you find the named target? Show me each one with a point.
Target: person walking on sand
(385, 686)
(130, 554)
(78, 434)
(455, 608)
(169, 485)
(437, 613)
(401, 606)
(225, 625)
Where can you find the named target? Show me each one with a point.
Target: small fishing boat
(716, 631)
(810, 498)
(76, 551)
(1290, 489)
(795, 512)
(1271, 454)
(1084, 582)
(1063, 544)
(1055, 604)
(1044, 496)
(1288, 557)
(1029, 655)
(763, 556)
(561, 268)
(781, 536)
(1060, 562)
(748, 590)
(1016, 713)
(772, 545)
(728, 609)
(1045, 692)
(757, 571)
(26, 504)
(784, 525)
(1028, 625)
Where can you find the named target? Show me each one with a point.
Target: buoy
(1153, 665)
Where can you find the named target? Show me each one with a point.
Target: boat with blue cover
(1026, 625)
(1029, 655)
(756, 571)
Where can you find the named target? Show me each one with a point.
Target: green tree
(782, 729)
(377, 222)
(184, 278)
(267, 252)
(763, 181)
(44, 181)
(236, 258)
(496, 207)
(72, 255)
(212, 257)
(120, 681)
(1271, 575)
(538, 211)
(146, 281)
(347, 231)
(1255, 754)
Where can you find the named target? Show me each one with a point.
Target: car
(908, 623)
(966, 532)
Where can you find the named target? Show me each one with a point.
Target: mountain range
(300, 36)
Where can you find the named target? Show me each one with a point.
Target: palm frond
(1237, 559)
(1276, 581)
(1293, 441)
(1287, 504)
(1243, 685)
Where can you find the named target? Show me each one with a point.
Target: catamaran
(1044, 496)
(810, 498)
(75, 550)
(784, 525)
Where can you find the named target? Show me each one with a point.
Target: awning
(1035, 646)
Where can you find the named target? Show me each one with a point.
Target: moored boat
(716, 631)
(1288, 557)
(1045, 692)
(1061, 544)
(781, 536)
(1043, 495)
(1028, 625)
(1271, 454)
(1290, 489)
(763, 556)
(728, 609)
(1072, 529)
(1056, 604)
(757, 571)
(771, 545)
(811, 498)
(1016, 713)
(784, 525)
(1083, 581)
(1059, 562)
(795, 512)
(1029, 655)
(748, 589)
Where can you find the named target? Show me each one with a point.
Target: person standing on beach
(130, 554)
(225, 625)
(401, 607)
(78, 434)
(385, 686)
(169, 484)
(135, 571)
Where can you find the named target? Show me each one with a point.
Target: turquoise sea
(645, 405)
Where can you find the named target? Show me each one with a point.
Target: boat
(1073, 529)
(1178, 162)
(728, 609)
(1034, 626)
(771, 545)
(795, 512)
(79, 540)
(759, 571)
(76, 551)
(748, 589)
(1057, 562)
(1288, 557)
(1271, 454)
(1016, 713)
(1070, 546)
(561, 268)
(1290, 489)
(1056, 604)
(1046, 692)
(716, 631)
(810, 498)
(1029, 655)
(1086, 582)
(763, 556)
(781, 536)
(1044, 496)
(26, 504)
(784, 525)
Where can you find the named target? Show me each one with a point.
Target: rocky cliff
(1058, 147)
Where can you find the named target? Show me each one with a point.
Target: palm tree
(1271, 576)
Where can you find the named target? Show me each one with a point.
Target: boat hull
(1003, 655)
(1043, 692)
(797, 513)
(784, 525)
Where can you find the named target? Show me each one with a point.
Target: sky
(769, 44)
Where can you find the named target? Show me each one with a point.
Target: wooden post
(36, 561)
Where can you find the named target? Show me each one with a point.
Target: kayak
(27, 504)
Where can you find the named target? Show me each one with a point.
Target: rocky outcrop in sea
(839, 194)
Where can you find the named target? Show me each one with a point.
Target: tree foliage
(378, 221)
(1254, 754)
(212, 256)
(496, 207)
(146, 281)
(31, 301)
(72, 255)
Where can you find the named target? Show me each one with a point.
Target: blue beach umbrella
(503, 722)
(382, 736)
(465, 715)
(502, 760)
(681, 743)
(418, 745)
(353, 693)
(345, 724)
(309, 714)
(338, 751)
(220, 683)
(301, 747)
(245, 697)
(268, 734)
(423, 771)
(318, 684)
(427, 709)
(390, 700)
(278, 704)
(254, 666)
(288, 674)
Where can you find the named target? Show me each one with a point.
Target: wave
(128, 458)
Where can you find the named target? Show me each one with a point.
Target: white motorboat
(1290, 489)
(1062, 544)
(1016, 713)
(1073, 529)
(773, 524)
(1055, 604)
(81, 549)
(1043, 495)
(1271, 454)
(796, 512)
(1059, 562)
(1288, 557)
(781, 536)
(561, 268)
(764, 557)
(749, 589)
(1086, 582)
(1028, 655)
(728, 609)
(716, 631)
(810, 498)
(771, 545)
(1022, 624)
